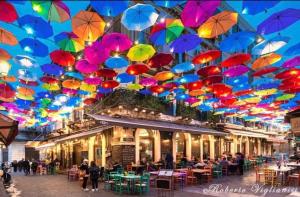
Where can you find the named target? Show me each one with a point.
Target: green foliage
(186, 111)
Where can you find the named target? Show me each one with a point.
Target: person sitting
(224, 162)
(199, 164)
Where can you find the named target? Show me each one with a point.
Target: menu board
(116, 153)
(125, 154)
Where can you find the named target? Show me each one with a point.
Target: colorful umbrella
(71, 84)
(89, 26)
(213, 79)
(185, 42)
(195, 12)
(35, 26)
(8, 12)
(52, 69)
(207, 56)
(85, 67)
(110, 8)
(188, 78)
(116, 62)
(163, 76)
(93, 80)
(236, 59)
(194, 85)
(25, 91)
(264, 71)
(149, 81)
(160, 59)
(96, 53)
(292, 62)
(140, 52)
(9, 78)
(116, 42)
(62, 58)
(139, 17)
(157, 89)
(236, 71)
(34, 47)
(209, 70)
(125, 78)
(68, 41)
(7, 37)
(285, 97)
(238, 41)
(6, 91)
(110, 84)
(48, 79)
(75, 75)
(290, 73)
(218, 24)
(4, 68)
(52, 10)
(134, 86)
(168, 3)
(25, 61)
(166, 31)
(4, 55)
(51, 87)
(88, 88)
(183, 67)
(137, 69)
(279, 21)
(266, 60)
(293, 50)
(105, 72)
(255, 7)
(270, 46)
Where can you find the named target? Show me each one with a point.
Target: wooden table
(283, 171)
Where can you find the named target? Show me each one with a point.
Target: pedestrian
(84, 167)
(26, 166)
(15, 165)
(169, 161)
(20, 165)
(34, 166)
(94, 175)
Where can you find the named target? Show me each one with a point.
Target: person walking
(26, 166)
(34, 166)
(84, 167)
(94, 175)
(169, 161)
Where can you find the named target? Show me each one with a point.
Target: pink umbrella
(191, 100)
(196, 12)
(85, 67)
(69, 91)
(93, 80)
(235, 71)
(292, 62)
(96, 53)
(148, 81)
(116, 42)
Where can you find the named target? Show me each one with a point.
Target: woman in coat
(85, 168)
(94, 175)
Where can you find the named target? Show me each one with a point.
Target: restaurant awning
(151, 124)
(276, 140)
(8, 129)
(246, 133)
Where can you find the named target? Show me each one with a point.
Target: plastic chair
(217, 171)
(259, 173)
(143, 186)
(120, 185)
(191, 179)
(270, 177)
(131, 172)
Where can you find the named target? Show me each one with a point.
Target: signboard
(295, 124)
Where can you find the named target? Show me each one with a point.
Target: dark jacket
(85, 168)
(94, 172)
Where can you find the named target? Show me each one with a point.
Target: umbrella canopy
(255, 7)
(35, 26)
(93, 80)
(75, 75)
(125, 78)
(168, 3)
(34, 47)
(116, 42)
(52, 10)
(279, 21)
(85, 67)
(52, 69)
(51, 87)
(7, 37)
(140, 52)
(139, 17)
(209, 71)
(110, 8)
(293, 50)
(207, 56)
(10, 12)
(105, 72)
(183, 67)
(6, 91)
(264, 71)
(68, 41)
(270, 46)
(195, 12)
(163, 76)
(292, 62)
(89, 26)
(137, 69)
(96, 53)
(236, 59)
(116, 62)
(110, 84)
(235, 71)
(160, 59)
(290, 73)
(49, 79)
(218, 24)
(71, 84)
(62, 58)
(25, 61)
(238, 41)
(166, 31)
(149, 81)
(185, 42)
(266, 60)
(4, 55)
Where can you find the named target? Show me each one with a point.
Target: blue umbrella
(182, 96)
(274, 84)
(125, 78)
(34, 47)
(183, 67)
(205, 108)
(45, 94)
(75, 75)
(116, 62)
(270, 45)
(293, 50)
(164, 94)
(185, 43)
(109, 8)
(24, 104)
(82, 92)
(52, 69)
(260, 81)
(241, 87)
(73, 102)
(188, 78)
(279, 21)
(238, 41)
(54, 107)
(237, 80)
(168, 3)
(36, 26)
(255, 7)
(179, 90)
(25, 61)
(104, 90)
(145, 92)
(139, 17)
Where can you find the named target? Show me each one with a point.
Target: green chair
(217, 171)
(121, 185)
(131, 172)
(143, 186)
(108, 182)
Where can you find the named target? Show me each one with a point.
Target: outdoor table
(283, 171)
(174, 175)
(138, 168)
(294, 164)
(131, 180)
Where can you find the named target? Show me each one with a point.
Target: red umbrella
(89, 101)
(294, 72)
(264, 71)
(62, 58)
(136, 69)
(29, 83)
(170, 85)
(8, 12)
(105, 72)
(157, 89)
(243, 92)
(193, 85)
(110, 84)
(213, 79)
(160, 59)
(207, 56)
(209, 70)
(48, 79)
(220, 89)
(6, 91)
(236, 59)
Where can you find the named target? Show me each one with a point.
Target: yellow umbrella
(265, 92)
(71, 84)
(88, 88)
(196, 104)
(51, 87)
(141, 52)
(218, 24)
(163, 76)
(135, 86)
(7, 37)
(196, 92)
(25, 97)
(4, 68)
(266, 60)
(252, 100)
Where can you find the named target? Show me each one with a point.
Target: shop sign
(295, 124)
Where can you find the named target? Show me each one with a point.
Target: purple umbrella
(292, 62)
(196, 12)
(148, 81)
(93, 80)
(116, 42)
(185, 43)
(96, 53)
(85, 67)
(52, 69)
(235, 71)
(279, 21)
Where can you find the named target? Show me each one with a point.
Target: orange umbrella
(89, 26)
(4, 55)
(266, 60)
(207, 56)
(25, 91)
(71, 84)
(9, 78)
(7, 37)
(163, 76)
(218, 24)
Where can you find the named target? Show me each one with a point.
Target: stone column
(201, 147)
(91, 144)
(157, 145)
(137, 146)
(174, 146)
(222, 146)
(211, 147)
(233, 145)
(258, 146)
(247, 146)
(188, 145)
(241, 144)
(103, 150)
